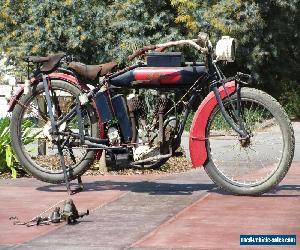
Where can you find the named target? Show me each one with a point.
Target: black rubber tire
(25, 160)
(288, 150)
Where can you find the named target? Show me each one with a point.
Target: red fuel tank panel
(158, 75)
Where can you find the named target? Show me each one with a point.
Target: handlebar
(35, 59)
(141, 51)
(202, 43)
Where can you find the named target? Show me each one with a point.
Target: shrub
(8, 160)
(290, 98)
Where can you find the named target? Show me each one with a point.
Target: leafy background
(96, 31)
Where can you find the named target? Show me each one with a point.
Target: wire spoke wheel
(255, 165)
(36, 148)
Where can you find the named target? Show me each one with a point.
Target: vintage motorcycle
(137, 114)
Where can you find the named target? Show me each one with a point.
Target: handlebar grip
(35, 59)
(202, 39)
(26, 58)
(243, 75)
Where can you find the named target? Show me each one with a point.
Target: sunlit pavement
(149, 212)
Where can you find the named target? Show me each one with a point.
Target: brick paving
(217, 220)
(149, 212)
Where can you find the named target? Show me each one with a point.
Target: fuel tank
(160, 76)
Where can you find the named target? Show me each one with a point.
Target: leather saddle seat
(48, 62)
(92, 71)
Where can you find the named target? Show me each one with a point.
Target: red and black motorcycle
(137, 114)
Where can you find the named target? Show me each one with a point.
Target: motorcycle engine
(144, 110)
(113, 136)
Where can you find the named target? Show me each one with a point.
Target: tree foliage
(268, 34)
(91, 31)
(96, 31)
(132, 24)
(39, 28)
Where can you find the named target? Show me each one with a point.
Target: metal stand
(42, 109)
(55, 131)
(80, 185)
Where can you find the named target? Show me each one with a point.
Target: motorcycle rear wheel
(250, 167)
(35, 152)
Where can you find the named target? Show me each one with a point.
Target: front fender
(197, 143)
(53, 76)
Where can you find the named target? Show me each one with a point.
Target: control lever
(243, 78)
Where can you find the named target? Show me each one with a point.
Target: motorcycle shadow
(284, 190)
(150, 187)
(164, 188)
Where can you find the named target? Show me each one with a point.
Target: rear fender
(53, 76)
(197, 142)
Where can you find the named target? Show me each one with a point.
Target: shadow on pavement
(157, 188)
(275, 192)
(286, 187)
(153, 188)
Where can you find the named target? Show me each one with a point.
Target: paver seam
(110, 201)
(168, 221)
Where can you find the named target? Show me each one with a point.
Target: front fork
(240, 127)
(54, 130)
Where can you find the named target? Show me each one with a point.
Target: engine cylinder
(103, 106)
(120, 109)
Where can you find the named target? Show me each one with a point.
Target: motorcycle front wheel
(254, 166)
(34, 147)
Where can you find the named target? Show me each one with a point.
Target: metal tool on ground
(69, 214)
(55, 216)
